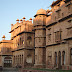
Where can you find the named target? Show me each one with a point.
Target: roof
(41, 11)
(56, 2)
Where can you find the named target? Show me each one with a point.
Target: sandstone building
(47, 43)
(5, 53)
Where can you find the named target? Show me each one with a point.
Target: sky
(10, 10)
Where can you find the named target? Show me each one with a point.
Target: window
(59, 58)
(18, 44)
(29, 41)
(69, 31)
(8, 49)
(29, 59)
(14, 59)
(55, 18)
(55, 58)
(71, 56)
(22, 58)
(49, 60)
(62, 14)
(58, 14)
(49, 34)
(58, 36)
(68, 6)
(70, 21)
(63, 58)
(49, 37)
(22, 41)
(39, 39)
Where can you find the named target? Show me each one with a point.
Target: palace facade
(45, 43)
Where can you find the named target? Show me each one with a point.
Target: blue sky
(10, 10)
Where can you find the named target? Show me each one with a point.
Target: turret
(40, 37)
(3, 37)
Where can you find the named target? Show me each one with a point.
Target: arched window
(55, 58)
(59, 58)
(14, 59)
(63, 58)
(22, 58)
(18, 59)
(71, 56)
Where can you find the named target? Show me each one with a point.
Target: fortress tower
(40, 38)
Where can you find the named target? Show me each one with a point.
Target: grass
(48, 70)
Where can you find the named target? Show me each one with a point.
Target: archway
(63, 58)
(55, 58)
(59, 59)
(29, 59)
(7, 61)
(71, 56)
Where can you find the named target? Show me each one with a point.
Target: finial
(11, 24)
(3, 37)
(30, 19)
(17, 20)
(24, 18)
(20, 19)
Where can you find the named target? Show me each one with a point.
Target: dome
(41, 11)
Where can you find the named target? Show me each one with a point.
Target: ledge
(70, 38)
(13, 29)
(56, 2)
(39, 29)
(41, 14)
(62, 19)
(41, 47)
(24, 32)
(56, 44)
(58, 10)
(6, 55)
(39, 25)
(66, 1)
(21, 33)
(22, 49)
(51, 24)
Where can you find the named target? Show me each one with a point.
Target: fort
(45, 43)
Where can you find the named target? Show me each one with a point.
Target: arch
(55, 58)
(22, 58)
(14, 59)
(63, 58)
(7, 61)
(29, 59)
(71, 56)
(59, 59)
